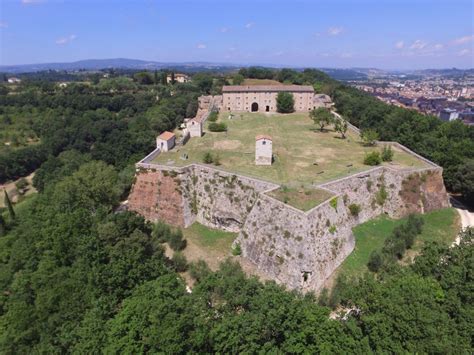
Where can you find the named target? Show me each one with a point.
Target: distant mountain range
(118, 63)
(136, 64)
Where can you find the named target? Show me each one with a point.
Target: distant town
(448, 97)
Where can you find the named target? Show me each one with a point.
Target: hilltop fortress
(297, 248)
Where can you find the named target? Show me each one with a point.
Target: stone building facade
(262, 98)
(166, 141)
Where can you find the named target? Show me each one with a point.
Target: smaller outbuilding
(194, 126)
(263, 150)
(166, 141)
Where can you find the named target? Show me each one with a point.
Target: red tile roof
(166, 136)
(263, 136)
(267, 88)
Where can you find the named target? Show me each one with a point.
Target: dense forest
(78, 276)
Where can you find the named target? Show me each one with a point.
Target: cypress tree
(9, 205)
(3, 226)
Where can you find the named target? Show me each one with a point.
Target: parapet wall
(299, 249)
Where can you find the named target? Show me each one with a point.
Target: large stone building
(262, 98)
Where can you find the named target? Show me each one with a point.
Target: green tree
(238, 79)
(322, 117)
(369, 137)
(9, 205)
(341, 126)
(285, 102)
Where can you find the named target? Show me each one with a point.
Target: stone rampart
(298, 249)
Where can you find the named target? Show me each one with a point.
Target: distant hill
(119, 63)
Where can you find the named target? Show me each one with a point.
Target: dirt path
(12, 191)
(467, 216)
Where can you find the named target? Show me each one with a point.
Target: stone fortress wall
(296, 248)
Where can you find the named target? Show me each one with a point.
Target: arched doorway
(254, 107)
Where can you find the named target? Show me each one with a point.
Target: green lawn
(301, 198)
(211, 239)
(303, 155)
(442, 225)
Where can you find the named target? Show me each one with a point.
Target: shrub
(207, 158)
(212, 116)
(161, 232)
(332, 229)
(381, 195)
(369, 137)
(176, 240)
(21, 185)
(179, 261)
(375, 261)
(236, 250)
(372, 159)
(354, 209)
(217, 160)
(387, 153)
(199, 270)
(217, 127)
(333, 202)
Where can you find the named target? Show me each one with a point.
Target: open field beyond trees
(440, 226)
(303, 155)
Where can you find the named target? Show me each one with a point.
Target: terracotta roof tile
(265, 88)
(166, 136)
(263, 136)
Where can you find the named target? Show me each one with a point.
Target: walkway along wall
(299, 249)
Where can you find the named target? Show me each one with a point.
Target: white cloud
(3, 24)
(334, 31)
(31, 2)
(232, 49)
(278, 54)
(65, 40)
(201, 46)
(249, 25)
(224, 29)
(464, 52)
(463, 40)
(346, 55)
(418, 44)
(399, 44)
(438, 47)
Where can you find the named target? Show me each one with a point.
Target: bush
(372, 159)
(176, 240)
(21, 186)
(216, 159)
(387, 153)
(179, 261)
(217, 127)
(369, 137)
(213, 116)
(381, 195)
(208, 158)
(354, 209)
(375, 261)
(161, 232)
(199, 270)
(333, 203)
(236, 250)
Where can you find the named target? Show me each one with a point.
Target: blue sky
(405, 34)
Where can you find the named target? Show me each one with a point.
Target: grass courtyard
(441, 226)
(303, 155)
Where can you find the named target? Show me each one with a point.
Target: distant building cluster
(449, 99)
(178, 78)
